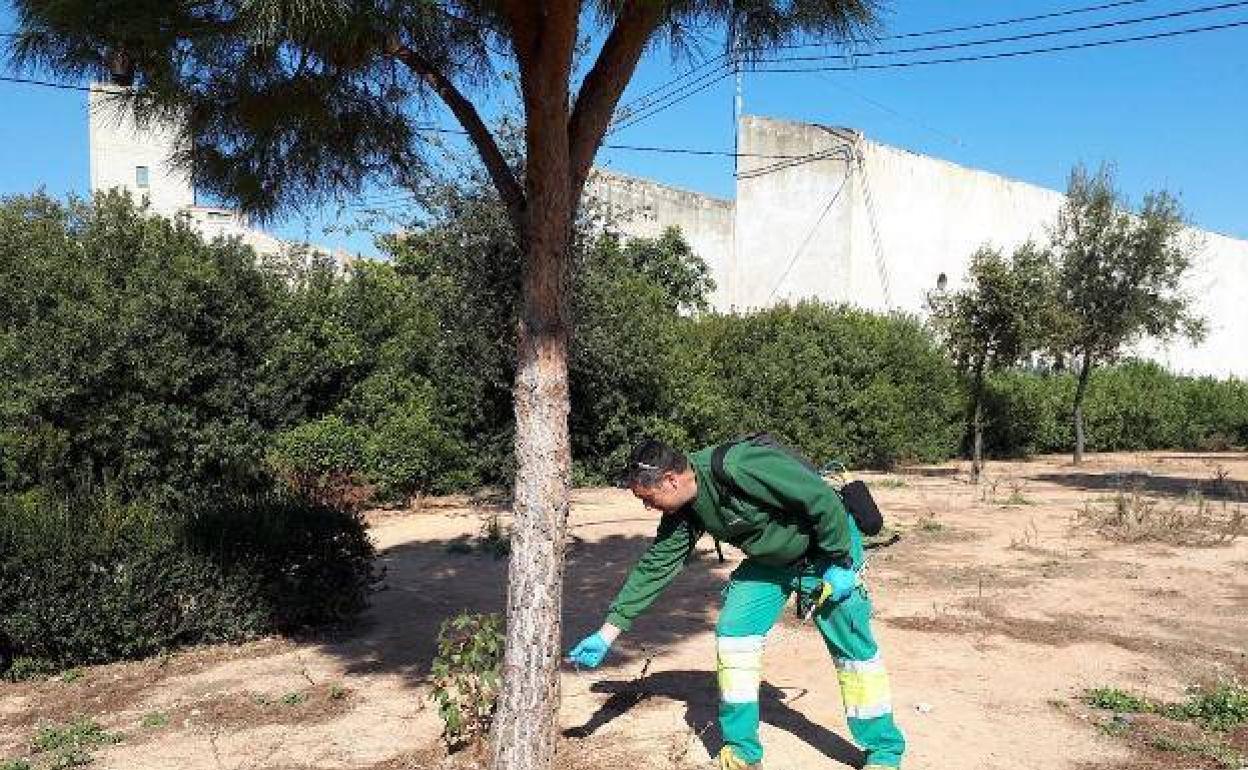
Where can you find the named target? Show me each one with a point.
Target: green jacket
(782, 502)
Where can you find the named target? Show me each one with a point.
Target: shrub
(838, 382)
(466, 676)
(1136, 405)
(92, 580)
(136, 355)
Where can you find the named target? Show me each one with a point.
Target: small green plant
(25, 669)
(69, 745)
(72, 675)
(1113, 699)
(16, 764)
(1219, 708)
(337, 692)
(83, 732)
(1224, 755)
(294, 698)
(890, 483)
(929, 522)
(495, 540)
(466, 676)
(71, 758)
(154, 719)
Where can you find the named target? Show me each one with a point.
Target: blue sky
(1169, 113)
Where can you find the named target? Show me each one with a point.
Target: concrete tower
(132, 159)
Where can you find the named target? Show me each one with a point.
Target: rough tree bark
(1082, 389)
(525, 726)
(977, 422)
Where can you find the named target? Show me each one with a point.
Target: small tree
(1004, 314)
(1119, 276)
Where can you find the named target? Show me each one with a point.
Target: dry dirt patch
(991, 608)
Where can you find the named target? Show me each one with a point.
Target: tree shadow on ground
(426, 583)
(1175, 486)
(696, 689)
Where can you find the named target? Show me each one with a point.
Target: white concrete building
(825, 213)
(123, 156)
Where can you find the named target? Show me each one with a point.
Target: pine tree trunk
(524, 735)
(1080, 391)
(977, 424)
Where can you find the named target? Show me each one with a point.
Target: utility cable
(1013, 54)
(641, 100)
(1014, 38)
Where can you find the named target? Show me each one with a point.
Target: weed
(1216, 710)
(1113, 699)
(928, 521)
(72, 675)
(495, 540)
(70, 744)
(71, 758)
(338, 692)
(25, 669)
(1131, 516)
(1219, 708)
(890, 483)
(1029, 539)
(294, 698)
(16, 764)
(80, 733)
(154, 719)
(988, 491)
(1225, 755)
(466, 677)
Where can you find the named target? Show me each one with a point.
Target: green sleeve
(656, 568)
(772, 477)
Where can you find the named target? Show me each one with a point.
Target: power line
(49, 84)
(461, 132)
(1012, 54)
(1015, 38)
(682, 95)
(895, 113)
(639, 102)
(973, 27)
(690, 90)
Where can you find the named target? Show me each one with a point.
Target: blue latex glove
(591, 651)
(841, 582)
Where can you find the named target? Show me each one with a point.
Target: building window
(942, 282)
(141, 177)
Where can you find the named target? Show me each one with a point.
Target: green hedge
(94, 580)
(1133, 406)
(838, 382)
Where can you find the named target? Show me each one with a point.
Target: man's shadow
(696, 689)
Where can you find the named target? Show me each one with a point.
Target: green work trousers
(753, 601)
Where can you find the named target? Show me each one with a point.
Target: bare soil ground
(995, 611)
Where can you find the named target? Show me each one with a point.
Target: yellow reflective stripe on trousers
(740, 664)
(864, 688)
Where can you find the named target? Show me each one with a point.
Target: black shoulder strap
(717, 467)
(721, 476)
